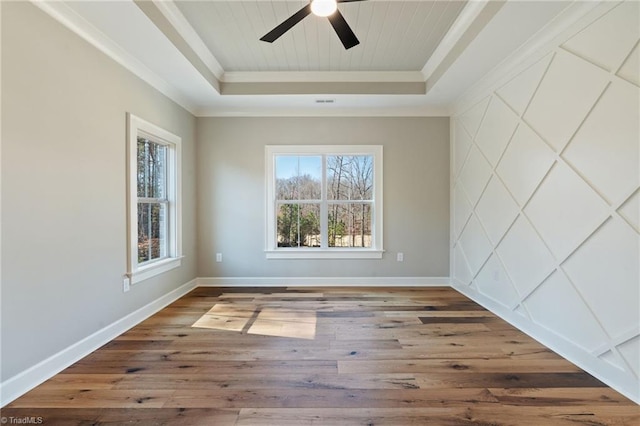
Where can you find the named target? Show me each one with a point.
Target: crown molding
(160, 20)
(323, 83)
(471, 21)
(326, 111)
(323, 77)
(76, 23)
(459, 27)
(325, 88)
(175, 17)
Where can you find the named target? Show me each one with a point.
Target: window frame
(137, 127)
(272, 250)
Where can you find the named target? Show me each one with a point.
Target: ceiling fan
(328, 8)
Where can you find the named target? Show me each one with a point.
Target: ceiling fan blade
(347, 37)
(275, 33)
(347, 1)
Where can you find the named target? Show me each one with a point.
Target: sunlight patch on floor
(249, 318)
(226, 317)
(285, 323)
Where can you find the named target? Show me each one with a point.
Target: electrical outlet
(400, 257)
(496, 275)
(126, 284)
(218, 257)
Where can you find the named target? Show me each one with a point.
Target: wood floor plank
(200, 367)
(448, 416)
(511, 381)
(269, 382)
(329, 398)
(453, 366)
(324, 356)
(44, 397)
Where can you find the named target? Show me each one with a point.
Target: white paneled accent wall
(546, 200)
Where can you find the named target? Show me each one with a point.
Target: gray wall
(63, 188)
(231, 194)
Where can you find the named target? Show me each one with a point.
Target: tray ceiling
(414, 57)
(394, 35)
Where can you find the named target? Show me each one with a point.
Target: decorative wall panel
(475, 175)
(518, 92)
(496, 221)
(527, 259)
(565, 210)
(546, 198)
(525, 162)
(557, 306)
(475, 245)
(493, 281)
(461, 267)
(462, 211)
(616, 113)
(497, 127)
(630, 71)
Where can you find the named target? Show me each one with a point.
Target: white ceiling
(414, 57)
(394, 36)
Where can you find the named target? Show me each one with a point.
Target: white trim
(257, 111)
(323, 281)
(64, 14)
(465, 19)
(23, 382)
(156, 268)
(334, 253)
(323, 76)
(190, 36)
(618, 379)
(1, 210)
(136, 126)
(374, 252)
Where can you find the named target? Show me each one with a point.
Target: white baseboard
(323, 281)
(23, 382)
(619, 380)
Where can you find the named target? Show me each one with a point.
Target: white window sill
(324, 254)
(156, 268)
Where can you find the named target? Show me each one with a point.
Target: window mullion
(168, 242)
(147, 168)
(324, 208)
(149, 233)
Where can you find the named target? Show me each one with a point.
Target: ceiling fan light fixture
(326, 8)
(323, 7)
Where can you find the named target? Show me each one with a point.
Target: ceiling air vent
(325, 101)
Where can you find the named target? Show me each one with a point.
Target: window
(154, 223)
(324, 202)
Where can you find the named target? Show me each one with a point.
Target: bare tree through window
(152, 200)
(348, 199)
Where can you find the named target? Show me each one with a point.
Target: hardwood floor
(324, 356)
